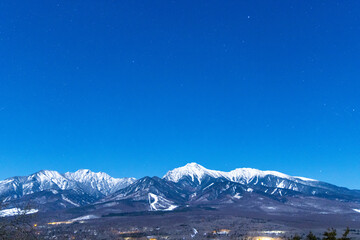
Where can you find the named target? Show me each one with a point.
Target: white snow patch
(274, 191)
(153, 204)
(158, 203)
(194, 232)
(208, 186)
(170, 208)
(281, 185)
(54, 191)
(237, 196)
(87, 217)
(16, 211)
(306, 179)
(69, 201)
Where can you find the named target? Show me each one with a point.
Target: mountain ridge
(91, 182)
(189, 185)
(193, 169)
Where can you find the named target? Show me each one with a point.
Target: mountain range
(181, 188)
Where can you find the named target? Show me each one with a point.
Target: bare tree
(19, 226)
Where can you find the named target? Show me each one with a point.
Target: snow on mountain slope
(142, 187)
(193, 170)
(245, 175)
(306, 179)
(191, 183)
(193, 175)
(242, 175)
(99, 181)
(158, 203)
(45, 180)
(96, 184)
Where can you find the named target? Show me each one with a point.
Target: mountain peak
(93, 183)
(193, 170)
(47, 175)
(86, 173)
(243, 175)
(193, 164)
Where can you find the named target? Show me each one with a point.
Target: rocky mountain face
(195, 176)
(193, 185)
(60, 190)
(189, 186)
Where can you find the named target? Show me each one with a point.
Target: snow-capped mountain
(190, 185)
(196, 176)
(193, 185)
(99, 182)
(241, 175)
(193, 171)
(82, 181)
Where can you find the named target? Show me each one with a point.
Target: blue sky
(136, 88)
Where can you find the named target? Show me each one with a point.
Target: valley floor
(195, 224)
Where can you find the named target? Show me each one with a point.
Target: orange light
(57, 223)
(264, 238)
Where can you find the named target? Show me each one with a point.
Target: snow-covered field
(16, 211)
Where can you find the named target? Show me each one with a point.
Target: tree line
(331, 234)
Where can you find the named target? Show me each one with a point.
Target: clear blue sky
(136, 88)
